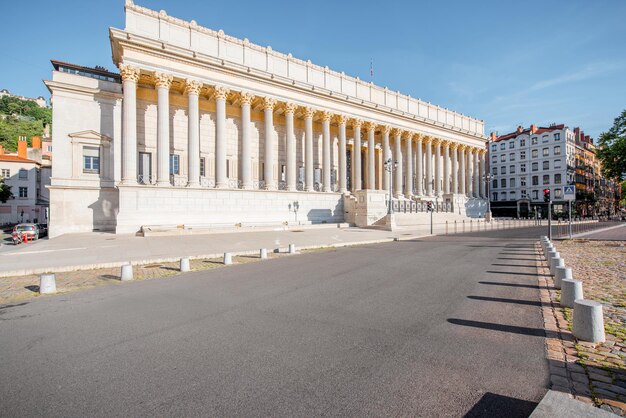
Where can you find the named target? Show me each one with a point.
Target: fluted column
(462, 189)
(408, 184)
(326, 166)
(356, 161)
(429, 166)
(130, 76)
(246, 141)
(437, 143)
(220, 93)
(446, 167)
(290, 109)
(476, 174)
(482, 174)
(192, 89)
(343, 181)
(163, 83)
(455, 167)
(386, 156)
(397, 148)
(268, 172)
(370, 127)
(308, 148)
(419, 166)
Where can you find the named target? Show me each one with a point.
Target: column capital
(386, 129)
(192, 86)
(483, 152)
(436, 141)
(326, 116)
(369, 126)
(309, 112)
(397, 132)
(341, 119)
(220, 92)
(356, 123)
(290, 108)
(428, 139)
(163, 80)
(129, 73)
(454, 145)
(407, 135)
(419, 138)
(246, 98)
(269, 103)
(446, 143)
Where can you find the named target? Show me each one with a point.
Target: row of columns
(460, 174)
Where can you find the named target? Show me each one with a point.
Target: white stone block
(588, 323)
(554, 263)
(562, 273)
(552, 254)
(570, 291)
(184, 265)
(127, 272)
(47, 284)
(292, 248)
(263, 253)
(228, 259)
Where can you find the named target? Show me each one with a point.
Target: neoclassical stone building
(203, 129)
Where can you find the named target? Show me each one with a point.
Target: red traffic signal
(546, 195)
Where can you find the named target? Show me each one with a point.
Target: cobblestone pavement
(592, 373)
(16, 289)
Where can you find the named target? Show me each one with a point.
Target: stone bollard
(552, 254)
(570, 291)
(263, 253)
(127, 272)
(554, 263)
(228, 259)
(184, 265)
(548, 248)
(292, 248)
(47, 284)
(588, 323)
(562, 273)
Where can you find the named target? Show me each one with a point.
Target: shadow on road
(504, 300)
(528, 286)
(517, 273)
(514, 265)
(494, 405)
(534, 332)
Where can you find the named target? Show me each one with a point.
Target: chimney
(22, 147)
(533, 128)
(520, 129)
(36, 142)
(493, 136)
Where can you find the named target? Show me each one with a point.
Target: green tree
(612, 148)
(5, 192)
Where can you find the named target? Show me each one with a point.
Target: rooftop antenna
(372, 69)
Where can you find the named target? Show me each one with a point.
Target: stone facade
(201, 128)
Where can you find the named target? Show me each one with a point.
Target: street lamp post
(487, 179)
(390, 167)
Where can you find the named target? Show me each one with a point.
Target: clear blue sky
(507, 62)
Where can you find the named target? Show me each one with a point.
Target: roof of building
(101, 71)
(539, 130)
(15, 159)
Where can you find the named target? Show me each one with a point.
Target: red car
(31, 230)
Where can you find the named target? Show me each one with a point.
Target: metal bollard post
(463, 225)
(471, 225)
(455, 226)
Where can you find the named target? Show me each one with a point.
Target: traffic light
(546, 195)
(429, 206)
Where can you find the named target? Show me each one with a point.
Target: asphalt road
(444, 326)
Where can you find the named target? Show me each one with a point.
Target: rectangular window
(522, 142)
(283, 172)
(202, 167)
(502, 182)
(503, 158)
(557, 150)
(503, 170)
(522, 155)
(544, 139)
(535, 181)
(546, 152)
(522, 168)
(535, 194)
(557, 179)
(494, 147)
(502, 146)
(546, 165)
(557, 164)
(522, 181)
(512, 183)
(512, 169)
(6, 173)
(495, 196)
(494, 159)
(535, 153)
(91, 160)
(49, 148)
(494, 184)
(546, 179)
(512, 156)
(523, 193)
(175, 164)
(494, 171)
(512, 196)
(557, 136)
(503, 196)
(533, 141)
(535, 166)
(511, 145)
(23, 192)
(228, 168)
(23, 174)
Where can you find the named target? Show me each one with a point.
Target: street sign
(569, 192)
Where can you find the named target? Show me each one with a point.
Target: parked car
(43, 230)
(31, 230)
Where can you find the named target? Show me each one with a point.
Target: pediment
(89, 134)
